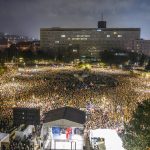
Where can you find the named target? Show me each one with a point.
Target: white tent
(26, 132)
(4, 138)
(112, 140)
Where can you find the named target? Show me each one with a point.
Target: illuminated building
(88, 41)
(29, 45)
(3, 44)
(142, 46)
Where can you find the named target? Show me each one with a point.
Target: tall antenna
(102, 17)
(102, 23)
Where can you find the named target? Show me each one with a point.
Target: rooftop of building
(82, 29)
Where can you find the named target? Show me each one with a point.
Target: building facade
(88, 42)
(142, 46)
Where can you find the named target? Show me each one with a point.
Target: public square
(109, 95)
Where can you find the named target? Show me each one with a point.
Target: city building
(28, 45)
(142, 46)
(3, 44)
(88, 42)
(6, 40)
(13, 39)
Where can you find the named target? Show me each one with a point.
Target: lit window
(99, 30)
(119, 35)
(83, 35)
(87, 35)
(108, 35)
(76, 38)
(63, 35)
(74, 50)
(56, 42)
(83, 38)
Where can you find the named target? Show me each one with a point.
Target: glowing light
(119, 35)
(63, 35)
(99, 30)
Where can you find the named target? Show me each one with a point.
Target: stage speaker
(27, 116)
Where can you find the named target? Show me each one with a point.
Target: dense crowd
(108, 98)
(24, 144)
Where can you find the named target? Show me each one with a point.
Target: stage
(63, 129)
(60, 142)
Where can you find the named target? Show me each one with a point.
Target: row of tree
(59, 53)
(122, 57)
(110, 57)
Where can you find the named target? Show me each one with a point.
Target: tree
(133, 56)
(137, 132)
(114, 57)
(148, 65)
(142, 60)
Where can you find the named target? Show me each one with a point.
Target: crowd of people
(109, 99)
(24, 144)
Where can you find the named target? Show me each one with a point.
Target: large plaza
(111, 93)
(108, 96)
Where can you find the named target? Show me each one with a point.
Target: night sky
(28, 16)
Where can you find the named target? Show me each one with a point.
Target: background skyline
(26, 17)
